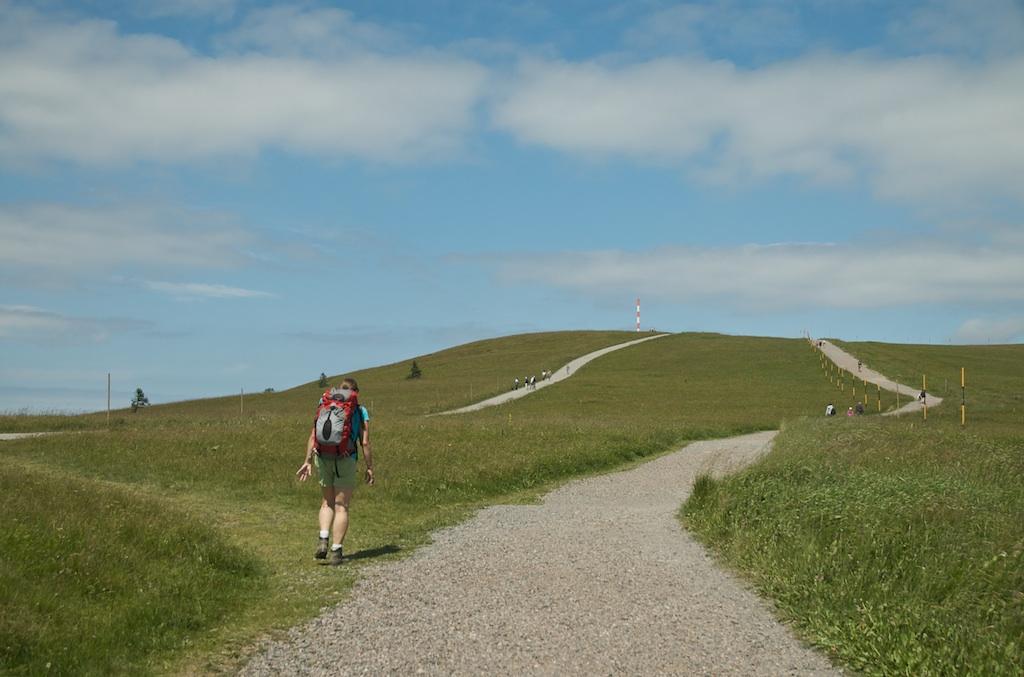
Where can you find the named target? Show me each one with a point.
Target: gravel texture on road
(597, 579)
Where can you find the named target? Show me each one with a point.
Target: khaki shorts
(336, 471)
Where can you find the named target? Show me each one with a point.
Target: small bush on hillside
(414, 370)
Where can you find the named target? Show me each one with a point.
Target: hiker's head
(349, 383)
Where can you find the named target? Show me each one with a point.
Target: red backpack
(332, 424)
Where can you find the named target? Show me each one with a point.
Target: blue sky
(199, 196)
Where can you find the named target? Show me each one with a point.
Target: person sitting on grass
(337, 473)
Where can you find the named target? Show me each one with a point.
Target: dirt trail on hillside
(845, 360)
(597, 579)
(17, 436)
(560, 374)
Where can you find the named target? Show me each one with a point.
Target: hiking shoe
(335, 558)
(321, 549)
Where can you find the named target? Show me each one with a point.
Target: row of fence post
(837, 376)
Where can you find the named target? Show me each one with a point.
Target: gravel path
(16, 436)
(598, 579)
(560, 374)
(845, 360)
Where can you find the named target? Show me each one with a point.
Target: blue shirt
(357, 423)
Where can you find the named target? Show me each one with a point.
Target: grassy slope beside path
(93, 575)
(894, 544)
(995, 387)
(235, 477)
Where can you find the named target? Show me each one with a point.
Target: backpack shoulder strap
(358, 414)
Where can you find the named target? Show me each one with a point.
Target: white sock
(336, 546)
(324, 533)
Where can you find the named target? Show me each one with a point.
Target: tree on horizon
(140, 400)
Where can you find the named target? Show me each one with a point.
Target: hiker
(849, 411)
(533, 383)
(859, 409)
(858, 365)
(515, 384)
(336, 467)
(830, 410)
(923, 397)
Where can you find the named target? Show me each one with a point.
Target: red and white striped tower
(638, 313)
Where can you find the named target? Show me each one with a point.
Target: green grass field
(193, 492)
(896, 545)
(175, 539)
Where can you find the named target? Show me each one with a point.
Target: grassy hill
(175, 539)
(896, 545)
(995, 389)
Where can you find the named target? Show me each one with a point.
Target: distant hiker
(859, 408)
(567, 369)
(923, 397)
(515, 384)
(858, 365)
(533, 383)
(830, 410)
(341, 425)
(849, 411)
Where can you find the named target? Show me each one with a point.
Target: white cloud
(87, 93)
(27, 319)
(28, 323)
(921, 129)
(785, 276)
(62, 240)
(982, 330)
(302, 31)
(970, 26)
(690, 26)
(201, 290)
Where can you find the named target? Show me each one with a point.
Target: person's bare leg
(327, 508)
(344, 496)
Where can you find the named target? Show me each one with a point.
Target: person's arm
(306, 469)
(367, 453)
